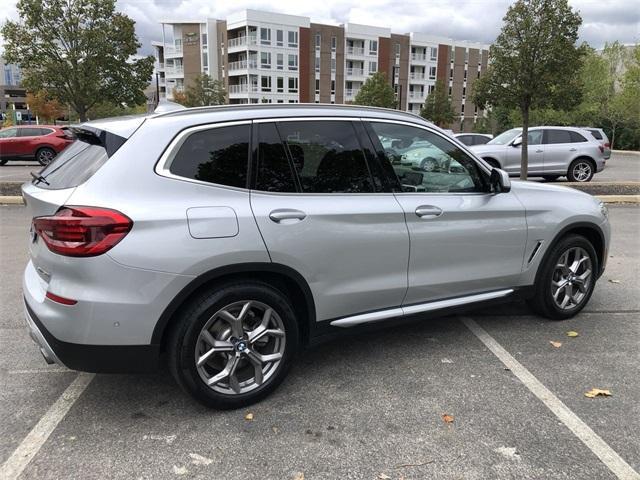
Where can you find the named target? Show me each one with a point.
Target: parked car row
(33, 142)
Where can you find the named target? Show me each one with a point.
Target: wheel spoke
(228, 370)
(257, 370)
(272, 357)
(235, 323)
(218, 346)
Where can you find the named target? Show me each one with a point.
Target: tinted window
(219, 155)
(73, 166)
(480, 140)
(30, 132)
(426, 162)
(326, 156)
(558, 136)
(576, 137)
(535, 137)
(274, 171)
(466, 139)
(596, 134)
(9, 133)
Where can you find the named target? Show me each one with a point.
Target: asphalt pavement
(366, 407)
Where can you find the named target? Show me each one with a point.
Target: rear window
(576, 137)
(596, 134)
(80, 160)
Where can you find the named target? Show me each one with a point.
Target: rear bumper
(92, 358)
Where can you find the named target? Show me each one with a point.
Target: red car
(39, 142)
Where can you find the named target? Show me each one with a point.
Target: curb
(625, 152)
(10, 200)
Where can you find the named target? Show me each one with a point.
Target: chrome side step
(423, 307)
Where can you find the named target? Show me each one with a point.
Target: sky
(473, 20)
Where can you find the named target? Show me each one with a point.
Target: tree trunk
(524, 159)
(613, 137)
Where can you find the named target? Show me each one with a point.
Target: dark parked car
(33, 142)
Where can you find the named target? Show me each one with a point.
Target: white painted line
(20, 458)
(40, 370)
(603, 451)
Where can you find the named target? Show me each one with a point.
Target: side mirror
(517, 142)
(499, 181)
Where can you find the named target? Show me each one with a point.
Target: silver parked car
(224, 240)
(553, 152)
(598, 134)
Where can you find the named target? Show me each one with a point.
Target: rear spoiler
(94, 136)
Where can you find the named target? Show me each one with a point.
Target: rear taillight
(601, 148)
(82, 231)
(607, 145)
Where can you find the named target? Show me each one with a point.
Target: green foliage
(205, 91)
(106, 109)
(376, 92)
(533, 62)
(437, 107)
(79, 51)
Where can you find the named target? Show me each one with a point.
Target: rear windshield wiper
(39, 178)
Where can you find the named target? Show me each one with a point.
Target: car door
(464, 239)
(536, 152)
(323, 210)
(8, 142)
(28, 140)
(559, 150)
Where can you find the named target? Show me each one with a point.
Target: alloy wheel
(582, 171)
(45, 156)
(240, 347)
(571, 278)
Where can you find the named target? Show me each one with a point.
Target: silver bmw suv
(221, 241)
(553, 152)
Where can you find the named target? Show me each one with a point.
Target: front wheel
(45, 156)
(581, 170)
(567, 279)
(233, 346)
(429, 164)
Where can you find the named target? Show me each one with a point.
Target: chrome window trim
(163, 165)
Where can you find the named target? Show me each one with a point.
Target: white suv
(553, 152)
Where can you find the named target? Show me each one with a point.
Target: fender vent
(535, 251)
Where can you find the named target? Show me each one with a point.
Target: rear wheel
(233, 346)
(581, 170)
(566, 280)
(45, 155)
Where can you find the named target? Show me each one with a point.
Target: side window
(426, 162)
(326, 156)
(557, 136)
(219, 155)
(29, 132)
(535, 137)
(274, 171)
(9, 133)
(576, 137)
(466, 139)
(596, 134)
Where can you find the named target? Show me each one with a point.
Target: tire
(543, 301)
(237, 351)
(551, 178)
(429, 164)
(492, 162)
(581, 170)
(3, 162)
(45, 156)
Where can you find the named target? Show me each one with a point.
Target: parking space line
(599, 447)
(20, 458)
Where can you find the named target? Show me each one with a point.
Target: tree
(79, 51)
(437, 107)
(204, 91)
(180, 97)
(533, 62)
(45, 107)
(376, 92)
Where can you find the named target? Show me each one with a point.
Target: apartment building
(277, 58)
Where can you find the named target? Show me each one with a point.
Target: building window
(449, 90)
(318, 40)
(478, 74)
(373, 67)
(464, 92)
(397, 49)
(333, 64)
(293, 85)
(373, 47)
(334, 43)
(265, 83)
(204, 39)
(451, 74)
(317, 64)
(280, 84)
(466, 56)
(451, 54)
(293, 39)
(465, 74)
(265, 36)
(431, 88)
(432, 73)
(434, 53)
(280, 61)
(293, 62)
(462, 108)
(205, 60)
(317, 86)
(333, 87)
(280, 101)
(279, 38)
(265, 60)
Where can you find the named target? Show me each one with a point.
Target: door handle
(573, 149)
(428, 211)
(539, 151)
(286, 214)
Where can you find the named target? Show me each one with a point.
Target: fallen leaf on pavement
(555, 344)
(384, 476)
(248, 416)
(197, 459)
(180, 470)
(447, 418)
(298, 476)
(612, 280)
(595, 392)
(571, 333)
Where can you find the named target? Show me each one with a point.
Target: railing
(159, 65)
(243, 65)
(355, 72)
(242, 41)
(416, 94)
(419, 57)
(355, 51)
(174, 71)
(173, 50)
(416, 76)
(243, 88)
(351, 92)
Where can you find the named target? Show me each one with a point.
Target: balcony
(242, 65)
(158, 66)
(242, 89)
(242, 41)
(417, 95)
(355, 51)
(418, 57)
(350, 93)
(174, 71)
(355, 72)
(417, 76)
(175, 51)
